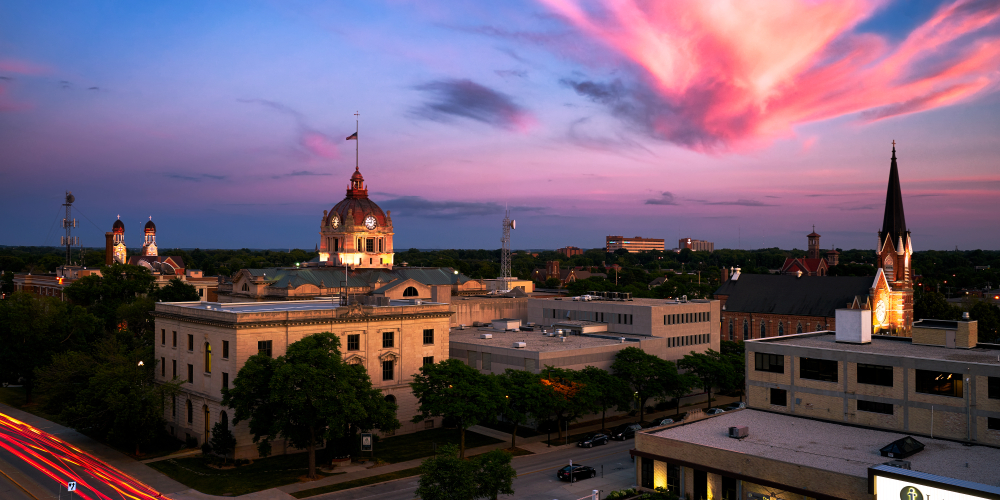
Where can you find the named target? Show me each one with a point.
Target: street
(44, 465)
(536, 476)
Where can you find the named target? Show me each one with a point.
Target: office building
(633, 245)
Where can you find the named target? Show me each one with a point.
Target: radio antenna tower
(508, 224)
(69, 223)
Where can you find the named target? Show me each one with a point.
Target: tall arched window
(746, 329)
(208, 357)
(246, 287)
(763, 329)
(190, 412)
(781, 328)
(410, 292)
(798, 328)
(731, 330)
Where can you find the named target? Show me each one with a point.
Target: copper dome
(118, 227)
(358, 203)
(150, 227)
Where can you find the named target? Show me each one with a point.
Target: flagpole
(356, 145)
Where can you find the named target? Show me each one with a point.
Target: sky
(738, 122)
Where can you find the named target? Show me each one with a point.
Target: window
(225, 349)
(428, 360)
(774, 363)
(487, 361)
(245, 288)
(875, 375)
(190, 342)
(388, 369)
(174, 363)
(700, 484)
(779, 397)
(473, 358)
(530, 364)
(730, 329)
(763, 329)
(746, 329)
(369, 245)
(729, 488)
(428, 336)
(818, 369)
(264, 347)
(647, 473)
(163, 367)
(173, 406)
(190, 412)
(993, 386)
(410, 292)
(993, 423)
(873, 407)
(781, 328)
(190, 374)
(225, 380)
(819, 328)
(388, 339)
(208, 357)
(175, 339)
(201, 292)
(798, 328)
(163, 336)
(674, 478)
(354, 342)
(940, 383)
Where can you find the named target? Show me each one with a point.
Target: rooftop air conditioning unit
(520, 345)
(739, 432)
(461, 327)
(486, 336)
(551, 334)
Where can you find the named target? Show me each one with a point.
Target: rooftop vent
(902, 464)
(621, 340)
(965, 315)
(461, 327)
(739, 432)
(902, 448)
(520, 345)
(486, 336)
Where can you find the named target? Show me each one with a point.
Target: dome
(358, 204)
(119, 227)
(150, 227)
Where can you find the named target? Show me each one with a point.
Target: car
(714, 411)
(575, 473)
(662, 421)
(625, 431)
(736, 406)
(590, 440)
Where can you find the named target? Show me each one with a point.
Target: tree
(305, 396)
(933, 305)
(711, 368)
(176, 291)
(988, 317)
(456, 391)
(524, 395)
(118, 285)
(553, 283)
(223, 442)
(647, 376)
(609, 391)
(446, 476)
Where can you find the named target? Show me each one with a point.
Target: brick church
(803, 299)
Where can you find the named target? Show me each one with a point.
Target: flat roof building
(794, 458)
(695, 245)
(634, 245)
(625, 315)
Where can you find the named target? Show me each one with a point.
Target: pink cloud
(319, 144)
(724, 74)
(23, 67)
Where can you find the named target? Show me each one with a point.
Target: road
(536, 476)
(44, 464)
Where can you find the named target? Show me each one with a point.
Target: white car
(714, 411)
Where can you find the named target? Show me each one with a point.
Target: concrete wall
(485, 309)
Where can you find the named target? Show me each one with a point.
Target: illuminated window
(939, 383)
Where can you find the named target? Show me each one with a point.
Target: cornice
(284, 322)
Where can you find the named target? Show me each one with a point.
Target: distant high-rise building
(634, 245)
(570, 251)
(695, 245)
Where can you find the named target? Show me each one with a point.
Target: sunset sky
(742, 123)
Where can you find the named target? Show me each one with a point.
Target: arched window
(224, 419)
(763, 329)
(818, 328)
(410, 292)
(190, 412)
(798, 328)
(746, 329)
(390, 399)
(781, 328)
(246, 287)
(208, 357)
(730, 329)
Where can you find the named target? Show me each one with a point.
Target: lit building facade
(633, 245)
(695, 245)
(356, 232)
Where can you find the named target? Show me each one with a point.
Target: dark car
(625, 431)
(575, 473)
(593, 439)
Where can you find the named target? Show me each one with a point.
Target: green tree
(524, 396)
(552, 283)
(988, 317)
(933, 305)
(223, 442)
(608, 391)
(103, 295)
(569, 398)
(711, 368)
(176, 291)
(446, 476)
(647, 376)
(494, 474)
(456, 391)
(305, 396)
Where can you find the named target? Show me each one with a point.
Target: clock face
(880, 311)
(335, 221)
(370, 222)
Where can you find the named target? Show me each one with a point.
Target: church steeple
(893, 222)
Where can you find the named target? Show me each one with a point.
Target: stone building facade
(205, 345)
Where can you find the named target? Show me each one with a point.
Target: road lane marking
(18, 484)
(563, 465)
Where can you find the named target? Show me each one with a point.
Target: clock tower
(892, 311)
(356, 232)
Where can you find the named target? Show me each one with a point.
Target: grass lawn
(262, 474)
(365, 481)
(14, 396)
(421, 444)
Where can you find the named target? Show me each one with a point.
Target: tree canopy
(458, 392)
(446, 476)
(648, 376)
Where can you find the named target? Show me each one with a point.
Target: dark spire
(893, 223)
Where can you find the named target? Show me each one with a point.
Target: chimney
(109, 253)
(854, 326)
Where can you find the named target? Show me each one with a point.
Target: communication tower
(505, 277)
(68, 224)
